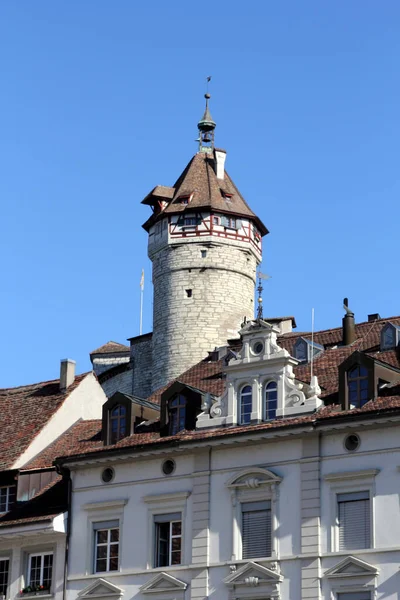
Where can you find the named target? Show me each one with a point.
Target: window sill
(36, 594)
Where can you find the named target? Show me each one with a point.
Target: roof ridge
(27, 385)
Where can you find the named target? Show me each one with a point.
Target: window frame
(29, 567)
(106, 526)
(264, 398)
(6, 559)
(240, 402)
(103, 511)
(253, 485)
(117, 418)
(344, 483)
(358, 379)
(169, 518)
(161, 504)
(8, 488)
(243, 511)
(178, 409)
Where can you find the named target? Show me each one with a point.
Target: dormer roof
(200, 182)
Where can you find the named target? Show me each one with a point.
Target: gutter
(66, 474)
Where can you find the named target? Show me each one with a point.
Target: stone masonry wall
(202, 291)
(141, 359)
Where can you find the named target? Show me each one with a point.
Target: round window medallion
(352, 442)
(168, 466)
(108, 475)
(258, 347)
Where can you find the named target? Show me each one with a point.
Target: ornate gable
(351, 567)
(164, 583)
(255, 581)
(101, 588)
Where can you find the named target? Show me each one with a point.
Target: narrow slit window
(189, 293)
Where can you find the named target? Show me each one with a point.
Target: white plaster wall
(17, 550)
(84, 402)
(137, 478)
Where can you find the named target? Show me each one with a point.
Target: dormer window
(184, 200)
(304, 349)
(226, 196)
(177, 414)
(357, 384)
(390, 336)
(117, 423)
(7, 497)
(271, 400)
(246, 400)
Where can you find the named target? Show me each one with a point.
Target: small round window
(352, 442)
(168, 467)
(258, 347)
(107, 475)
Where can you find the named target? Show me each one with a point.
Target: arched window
(357, 383)
(117, 423)
(246, 397)
(271, 400)
(177, 414)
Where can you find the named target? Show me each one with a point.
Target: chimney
(67, 373)
(349, 327)
(373, 317)
(219, 158)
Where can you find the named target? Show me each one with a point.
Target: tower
(205, 245)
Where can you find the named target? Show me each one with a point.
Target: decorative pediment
(101, 588)
(351, 567)
(253, 575)
(162, 583)
(253, 478)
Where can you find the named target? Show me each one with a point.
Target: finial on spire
(206, 126)
(260, 289)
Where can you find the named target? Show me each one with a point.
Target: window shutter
(224, 221)
(354, 520)
(238, 223)
(256, 529)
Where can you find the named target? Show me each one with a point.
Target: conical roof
(200, 182)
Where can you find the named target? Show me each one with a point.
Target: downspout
(66, 474)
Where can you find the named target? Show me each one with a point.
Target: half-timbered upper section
(203, 203)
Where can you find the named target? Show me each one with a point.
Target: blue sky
(100, 102)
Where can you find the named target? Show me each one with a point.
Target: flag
(142, 280)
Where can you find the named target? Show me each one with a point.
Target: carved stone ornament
(251, 581)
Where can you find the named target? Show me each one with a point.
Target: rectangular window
(7, 497)
(106, 546)
(354, 519)
(4, 570)
(189, 221)
(168, 541)
(256, 529)
(231, 223)
(40, 570)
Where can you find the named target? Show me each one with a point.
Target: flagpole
(141, 303)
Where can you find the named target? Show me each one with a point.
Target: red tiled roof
(199, 181)
(111, 348)
(206, 376)
(81, 435)
(24, 411)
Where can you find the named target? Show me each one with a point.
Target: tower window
(357, 384)
(177, 414)
(189, 293)
(226, 196)
(215, 220)
(246, 400)
(117, 423)
(203, 253)
(271, 400)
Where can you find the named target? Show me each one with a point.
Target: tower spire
(206, 127)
